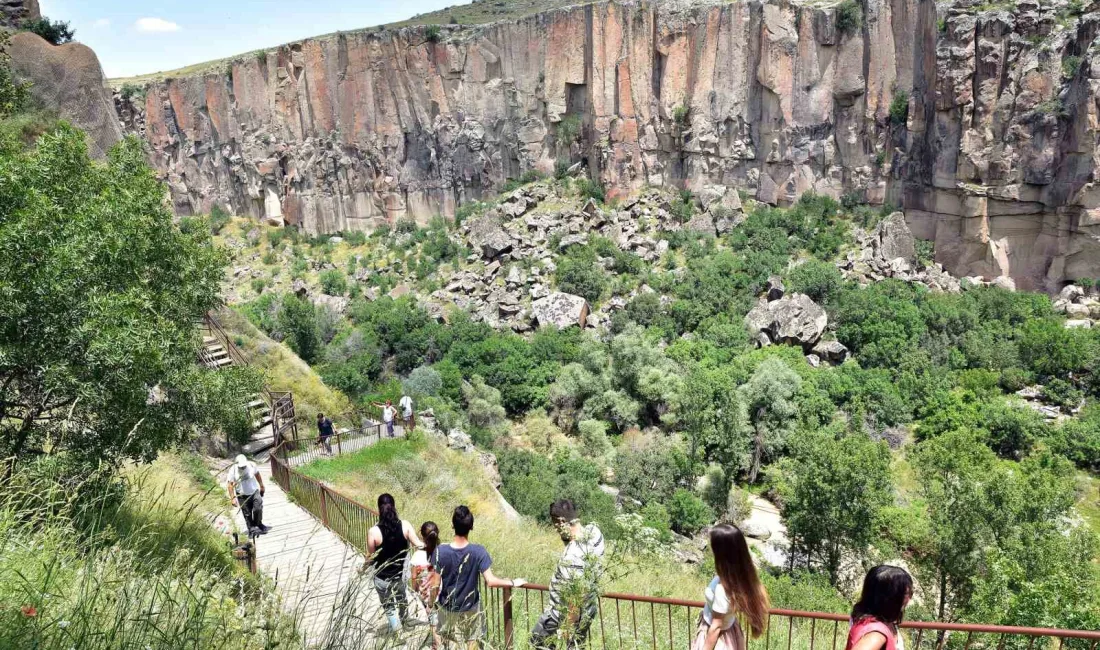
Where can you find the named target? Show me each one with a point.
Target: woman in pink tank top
(881, 606)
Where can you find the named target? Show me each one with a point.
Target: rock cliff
(14, 12)
(980, 121)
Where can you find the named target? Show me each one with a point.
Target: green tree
(298, 322)
(818, 280)
(833, 498)
(688, 513)
(100, 294)
(713, 415)
(773, 412)
(57, 32)
(334, 283)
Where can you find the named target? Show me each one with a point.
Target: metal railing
(634, 622)
(298, 451)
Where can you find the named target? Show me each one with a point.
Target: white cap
(241, 460)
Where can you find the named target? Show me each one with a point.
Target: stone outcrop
(14, 13)
(560, 310)
(795, 319)
(69, 80)
(996, 160)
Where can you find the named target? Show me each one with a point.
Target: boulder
(702, 224)
(775, 289)
(832, 351)
(1004, 282)
(1071, 292)
(460, 440)
(487, 235)
(755, 530)
(893, 239)
(794, 319)
(1075, 310)
(560, 310)
(1082, 323)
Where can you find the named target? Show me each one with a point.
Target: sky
(134, 37)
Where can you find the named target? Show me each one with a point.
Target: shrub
(531, 176)
(269, 258)
(1062, 393)
(715, 488)
(594, 440)
(258, 284)
(683, 206)
(680, 116)
(899, 107)
(355, 238)
(579, 274)
(688, 513)
(849, 16)
(818, 280)
(333, 282)
(1070, 66)
(423, 381)
(561, 168)
(54, 31)
(738, 506)
(432, 33)
(568, 129)
(219, 219)
(655, 515)
(130, 91)
(298, 322)
(926, 252)
(590, 189)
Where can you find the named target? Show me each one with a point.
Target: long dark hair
(430, 532)
(388, 521)
(883, 596)
(737, 573)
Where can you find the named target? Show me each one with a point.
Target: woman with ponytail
(388, 547)
(734, 592)
(426, 580)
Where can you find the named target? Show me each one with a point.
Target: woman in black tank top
(388, 556)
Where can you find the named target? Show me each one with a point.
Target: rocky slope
(995, 161)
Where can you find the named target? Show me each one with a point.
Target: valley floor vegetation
(917, 449)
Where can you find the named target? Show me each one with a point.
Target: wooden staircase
(272, 413)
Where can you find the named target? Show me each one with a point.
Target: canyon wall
(996, 161)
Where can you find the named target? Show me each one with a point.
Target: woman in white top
(735, 591)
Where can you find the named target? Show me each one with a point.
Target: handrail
(284, 474)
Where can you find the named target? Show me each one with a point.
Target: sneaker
(264, 529)
(254, 532)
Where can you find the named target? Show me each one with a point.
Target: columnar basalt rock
(996, 161)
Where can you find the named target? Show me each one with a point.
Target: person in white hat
(246, 489)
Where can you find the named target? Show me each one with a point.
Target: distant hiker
(425, 580)
(387, 546)
(877, 615)
(735, 591)
(246, 489)
(460, 564)
(579, 571)
(388, 413)
(324, 432)
(406, 405)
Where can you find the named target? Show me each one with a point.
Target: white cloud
(156, 25)
(101, 23)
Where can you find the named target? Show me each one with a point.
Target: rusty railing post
(324, 506)
(507, 597)
(339, 445)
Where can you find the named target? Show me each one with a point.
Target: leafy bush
(688, 513)
(1062, 393)
(578, 273)
(56, 32)
(899, 107)
(926, 252)
(738, 506)
(561, 168)
(531, 176)
(1070, 66)
(568, 129)
(258, 284)
(219, 219)
(333, 282)
(298, 322)
(818, 280)
(432, 33)
(590, 189)
(131, 91)
(680, 115)
(423, 381)
(849, 16)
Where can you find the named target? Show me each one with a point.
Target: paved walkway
(319, 576)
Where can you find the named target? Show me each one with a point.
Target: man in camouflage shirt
(574, 589)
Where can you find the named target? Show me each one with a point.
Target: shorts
(461, 627)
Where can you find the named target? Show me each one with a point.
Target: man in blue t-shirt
(459, 564)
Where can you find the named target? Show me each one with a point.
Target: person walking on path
(246, 490)
(881, 607)
(424, 579)
(388, 414)
(406, 404)
(734, 591)
(388, 545)
(324, 432)
(460, 564)
(574, 589)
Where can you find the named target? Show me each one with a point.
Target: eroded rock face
(560, 310)
(795, 319)
(69, 80)
(14, 12)
(995, 163)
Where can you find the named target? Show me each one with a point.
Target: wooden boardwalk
(320, 578)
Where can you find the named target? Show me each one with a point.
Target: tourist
(388, 413)
(324, 432)
(581, 561)
(424, 579)
(460, 564)
(406, 404)
(387, 546)
(735, 591)
(877, 615)
(246, 490)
